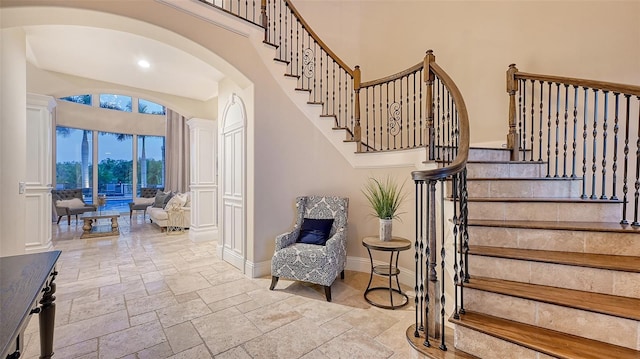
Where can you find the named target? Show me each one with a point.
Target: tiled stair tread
(542, 199)
(489, 149)
(543, 340)
(569, 226)
(434, 351)
(624, 307)
(302, 89)
(281, 60)
(601, 261)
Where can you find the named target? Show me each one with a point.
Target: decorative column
(13, 138)
(38, 173)
(204, 181)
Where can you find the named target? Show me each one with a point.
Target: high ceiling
(112, 56)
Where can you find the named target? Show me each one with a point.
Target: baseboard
(358, 264)
(203, 234)
(232, 257)
(256, 270)
(38, 248)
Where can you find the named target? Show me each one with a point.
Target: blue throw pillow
(315, 231)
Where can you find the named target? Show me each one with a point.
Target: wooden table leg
(87, 225)
(47, 319)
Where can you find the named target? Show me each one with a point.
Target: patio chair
(68, 202)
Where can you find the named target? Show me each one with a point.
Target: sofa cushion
(70, 203)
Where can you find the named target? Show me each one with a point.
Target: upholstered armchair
(147, 195)
(297, 258)
(68, 202)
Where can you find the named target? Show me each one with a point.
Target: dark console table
(26, 288)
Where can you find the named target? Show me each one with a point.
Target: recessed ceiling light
(144, 64)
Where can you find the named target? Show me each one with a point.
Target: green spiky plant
(385, 197)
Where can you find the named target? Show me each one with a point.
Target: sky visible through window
(111, 147)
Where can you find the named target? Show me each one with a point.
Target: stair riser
(478, 154)
(568, 320)
(502, 170)
(524, 188)
(488, 347)
(557, 240)
(540, 211)
(557, 275)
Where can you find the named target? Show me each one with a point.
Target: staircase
(552, 275)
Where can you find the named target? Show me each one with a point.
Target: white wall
(475, 41)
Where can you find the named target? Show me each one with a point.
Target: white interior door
(233, 232)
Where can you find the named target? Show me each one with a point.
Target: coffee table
(91, 229)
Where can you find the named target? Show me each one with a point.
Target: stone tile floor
(146, 294)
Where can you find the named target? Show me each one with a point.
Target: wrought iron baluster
(557, 152)
(566, 124)
(419, 247)
(440, 121)
(540, 123)
(523, 84)
(415, 144)
(635, 222)
(575, 131)
(520, 111)
(443, 253)
(548, 131)
(584, 145)
(429, 269)
(420, 105)
(616, 129)
(381, 120)
(604, 143)
(333, 92)
(373, 111)
(455, 185)
(595, 142)
(533, 112)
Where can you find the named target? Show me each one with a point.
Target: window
(81, 99)
(150, 162)
(145, 106)
(74, 168)
(115, 102)
(115, 169)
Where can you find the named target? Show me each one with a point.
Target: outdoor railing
(581, 129)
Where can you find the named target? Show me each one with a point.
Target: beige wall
(475, 41)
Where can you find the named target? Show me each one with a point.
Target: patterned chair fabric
(309, 262)
(67, 194)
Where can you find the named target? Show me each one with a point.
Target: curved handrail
(395, 76)
(317, 39)
(601, 85)
(460, 162)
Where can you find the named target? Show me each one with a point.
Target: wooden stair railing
(386, 114)
(582, 129)
(432, 221)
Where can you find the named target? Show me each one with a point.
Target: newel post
(513, 140)
(357, 130)
(429, 77)
(265, 20)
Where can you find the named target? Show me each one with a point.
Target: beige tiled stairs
(552, 275)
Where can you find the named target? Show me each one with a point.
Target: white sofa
(160, 215)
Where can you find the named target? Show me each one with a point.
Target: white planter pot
(385, 229)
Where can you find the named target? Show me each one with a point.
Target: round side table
(394, 247)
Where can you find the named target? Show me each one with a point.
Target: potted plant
(385, 198)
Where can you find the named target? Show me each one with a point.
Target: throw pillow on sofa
(161, 199)
(176, 202)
